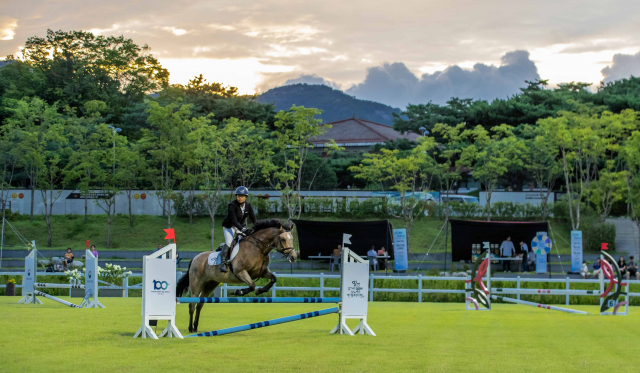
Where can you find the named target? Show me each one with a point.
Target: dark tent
(321, 237)
(465, 233)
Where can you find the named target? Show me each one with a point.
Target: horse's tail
(183, 283)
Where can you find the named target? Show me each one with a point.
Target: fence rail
(420, 290)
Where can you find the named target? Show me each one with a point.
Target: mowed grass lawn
(412, 337)
(147, 232)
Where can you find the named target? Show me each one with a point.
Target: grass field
(411, 337)
(72, 231)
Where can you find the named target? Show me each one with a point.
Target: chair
(335, 261)
(373, 262)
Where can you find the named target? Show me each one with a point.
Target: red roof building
(359, 134)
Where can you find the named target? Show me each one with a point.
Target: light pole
(114, 130)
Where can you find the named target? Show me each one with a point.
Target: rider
(235, 222)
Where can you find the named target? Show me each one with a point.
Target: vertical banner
(90, 278)
(541, 262)
(30, 268)
(576, 251)
(160, 286)
(400, 250)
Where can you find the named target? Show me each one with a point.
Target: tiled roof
(355, 131)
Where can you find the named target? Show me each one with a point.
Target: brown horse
(251, 263)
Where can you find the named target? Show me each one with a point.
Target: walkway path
(627, 236)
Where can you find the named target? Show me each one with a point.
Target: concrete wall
(515, 197)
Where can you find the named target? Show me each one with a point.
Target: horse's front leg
(272, 280)
(244, 277)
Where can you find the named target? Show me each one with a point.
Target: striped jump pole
(262, 324)
(36, 292)
(58, 286)
(546, 291)
(256, 300)
(539, 305)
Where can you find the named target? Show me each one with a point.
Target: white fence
(420, 290)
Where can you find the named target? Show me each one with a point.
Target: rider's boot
(224, 258)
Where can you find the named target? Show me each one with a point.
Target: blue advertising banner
(576, 251)
(400, 249)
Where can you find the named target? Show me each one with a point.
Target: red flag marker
(87, 243)
(604, 246)
(170, 234)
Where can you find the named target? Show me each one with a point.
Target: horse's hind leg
(208, 289)
(244, 277)
(192, 307)
(272, 280)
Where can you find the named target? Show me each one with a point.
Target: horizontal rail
(256, 300)
(57, 286)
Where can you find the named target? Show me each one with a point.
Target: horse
(251, 263)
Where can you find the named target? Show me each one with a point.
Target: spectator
(68, 258)
(506, 251)
(382, 252)
(622, 265)
(525, 256)
(158, 248)
(337, 251)
(584, 271)
(94, 251)
(532, 260)
(632, 269)
(596, 268)
(372, 253)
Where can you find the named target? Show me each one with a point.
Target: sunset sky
(393, 52)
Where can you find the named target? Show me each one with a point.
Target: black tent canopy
(465, 233)
(321, 237)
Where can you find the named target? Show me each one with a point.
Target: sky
(395, 52)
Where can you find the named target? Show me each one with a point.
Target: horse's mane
(271, 223)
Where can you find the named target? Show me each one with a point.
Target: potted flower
(75, 278)
(11, 287)
(114, 275)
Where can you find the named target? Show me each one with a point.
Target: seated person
(68, 258)
(622, 264)
(337, 251)
(596, 268)
(632, 269)
(372, 253)
(584, 271)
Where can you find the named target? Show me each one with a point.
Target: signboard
(91, 277)
(355, 287)
(400, 249)
(160, 286)
(541, 246)
(541, 262)
(576, 251)
(29, 276)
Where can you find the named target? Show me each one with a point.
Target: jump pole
(539, 305)
(256, 300)
(262, 324)
(39, 293)
(545, 291)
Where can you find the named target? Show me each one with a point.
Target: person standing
(506, 251)
(94, 251)
(238, 212)
(525, 256)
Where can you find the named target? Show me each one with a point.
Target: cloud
(312, 79)
(623, 66)
(7, 27)
(394, 84)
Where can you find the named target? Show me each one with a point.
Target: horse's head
(284, 242)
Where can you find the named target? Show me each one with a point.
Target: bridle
(286, 251)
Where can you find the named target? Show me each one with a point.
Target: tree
(247, 151)
(492, 156)
(9, 159)
(541, 157)
(130, 167)
(407, 175)
(294, 131)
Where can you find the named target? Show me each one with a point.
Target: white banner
(576, 251)
(400, 249)
(90, 278)
(29, 272)
(541, 262)
(160, 287)
(355, 289)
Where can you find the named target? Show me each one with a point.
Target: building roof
(360, 132)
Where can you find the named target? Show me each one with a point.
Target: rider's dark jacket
(235, 217)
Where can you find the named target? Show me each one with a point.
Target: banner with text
(400, 249)
(576, 251)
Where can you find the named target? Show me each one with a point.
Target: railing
(420, 290)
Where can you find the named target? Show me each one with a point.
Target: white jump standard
(29, 284)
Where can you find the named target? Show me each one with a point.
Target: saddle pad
(215, 260)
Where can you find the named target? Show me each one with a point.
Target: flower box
(76, 293)
(111, 293)
(11, 290)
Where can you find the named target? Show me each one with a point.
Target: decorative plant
(11, 281)
(113, 273)
(74, 275)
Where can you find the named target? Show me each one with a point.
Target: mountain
(336, 105)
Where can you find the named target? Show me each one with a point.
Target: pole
(539, 305)
(446, 243)
(2, 238)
